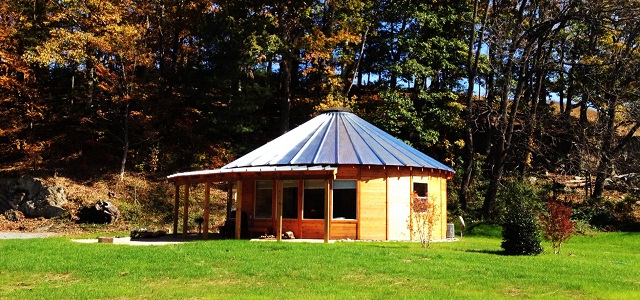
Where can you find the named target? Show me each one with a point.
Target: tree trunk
(357, 66)
(285, 93)
(505, 122)
(125, 142)
(542, 57)
(604, 164)
(468, 157)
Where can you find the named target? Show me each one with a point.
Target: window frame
(420, 193)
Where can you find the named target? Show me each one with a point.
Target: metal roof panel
(334, 138)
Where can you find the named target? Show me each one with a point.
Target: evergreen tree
(520, 234)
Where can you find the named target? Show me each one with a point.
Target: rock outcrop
(103, 212)
(32, 197)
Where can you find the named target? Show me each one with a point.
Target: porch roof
(258, 172)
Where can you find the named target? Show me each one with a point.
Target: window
(344, 199)
(420, 197)
(313, 205)
(290, 199)
(264, 199)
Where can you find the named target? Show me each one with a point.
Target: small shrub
(584, 228)
(424, 218)
(520, 235)
(557, 224)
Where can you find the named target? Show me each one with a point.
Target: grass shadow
(485, 251)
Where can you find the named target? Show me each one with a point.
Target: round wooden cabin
(333, 177)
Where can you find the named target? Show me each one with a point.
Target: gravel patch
(5, 235)
(135, 242)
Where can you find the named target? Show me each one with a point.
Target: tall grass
(605, 266)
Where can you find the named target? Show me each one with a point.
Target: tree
(524, 30)
(557, 224)
(101, 41)
(614, 80)
(22, 24)
(473, 61)
(520, 235)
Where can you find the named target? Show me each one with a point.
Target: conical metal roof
(337, 137)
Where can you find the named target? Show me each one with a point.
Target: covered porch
(240, 176)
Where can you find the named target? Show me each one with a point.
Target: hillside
(146, 200)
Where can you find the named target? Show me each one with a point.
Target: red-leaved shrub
(556, 223)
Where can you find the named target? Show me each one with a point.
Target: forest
(498, 89)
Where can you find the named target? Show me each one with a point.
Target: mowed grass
(605, 266)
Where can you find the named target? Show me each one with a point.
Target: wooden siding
(264, 223)
(437, 193)
(373, 209)
(312, 229)
(291, 225)
(399, 208)
(248, 196)
(443, 206)
(439, 196)
(348, 172)
(343, 229)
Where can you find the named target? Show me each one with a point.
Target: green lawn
(606, 266)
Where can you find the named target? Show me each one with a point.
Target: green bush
(520, 235)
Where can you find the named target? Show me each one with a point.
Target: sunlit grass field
(604, 266)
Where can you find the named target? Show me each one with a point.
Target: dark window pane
(344, 199)
(313, 207)
(290, 199)
(421, 188)
(264, 200)
(420, 202)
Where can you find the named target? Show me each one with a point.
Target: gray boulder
(32, 197)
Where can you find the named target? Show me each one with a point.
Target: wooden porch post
(279, 204)
(176, 202)
(229, 198)
(207, 195)
(327, 210)
(239, 211)
(185, 213)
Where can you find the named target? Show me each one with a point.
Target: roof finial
(337, 109)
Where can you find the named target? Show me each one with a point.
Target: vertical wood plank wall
(443, 207)
(373, 204)
(437, 193)
(440, 230)
(399, 205)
